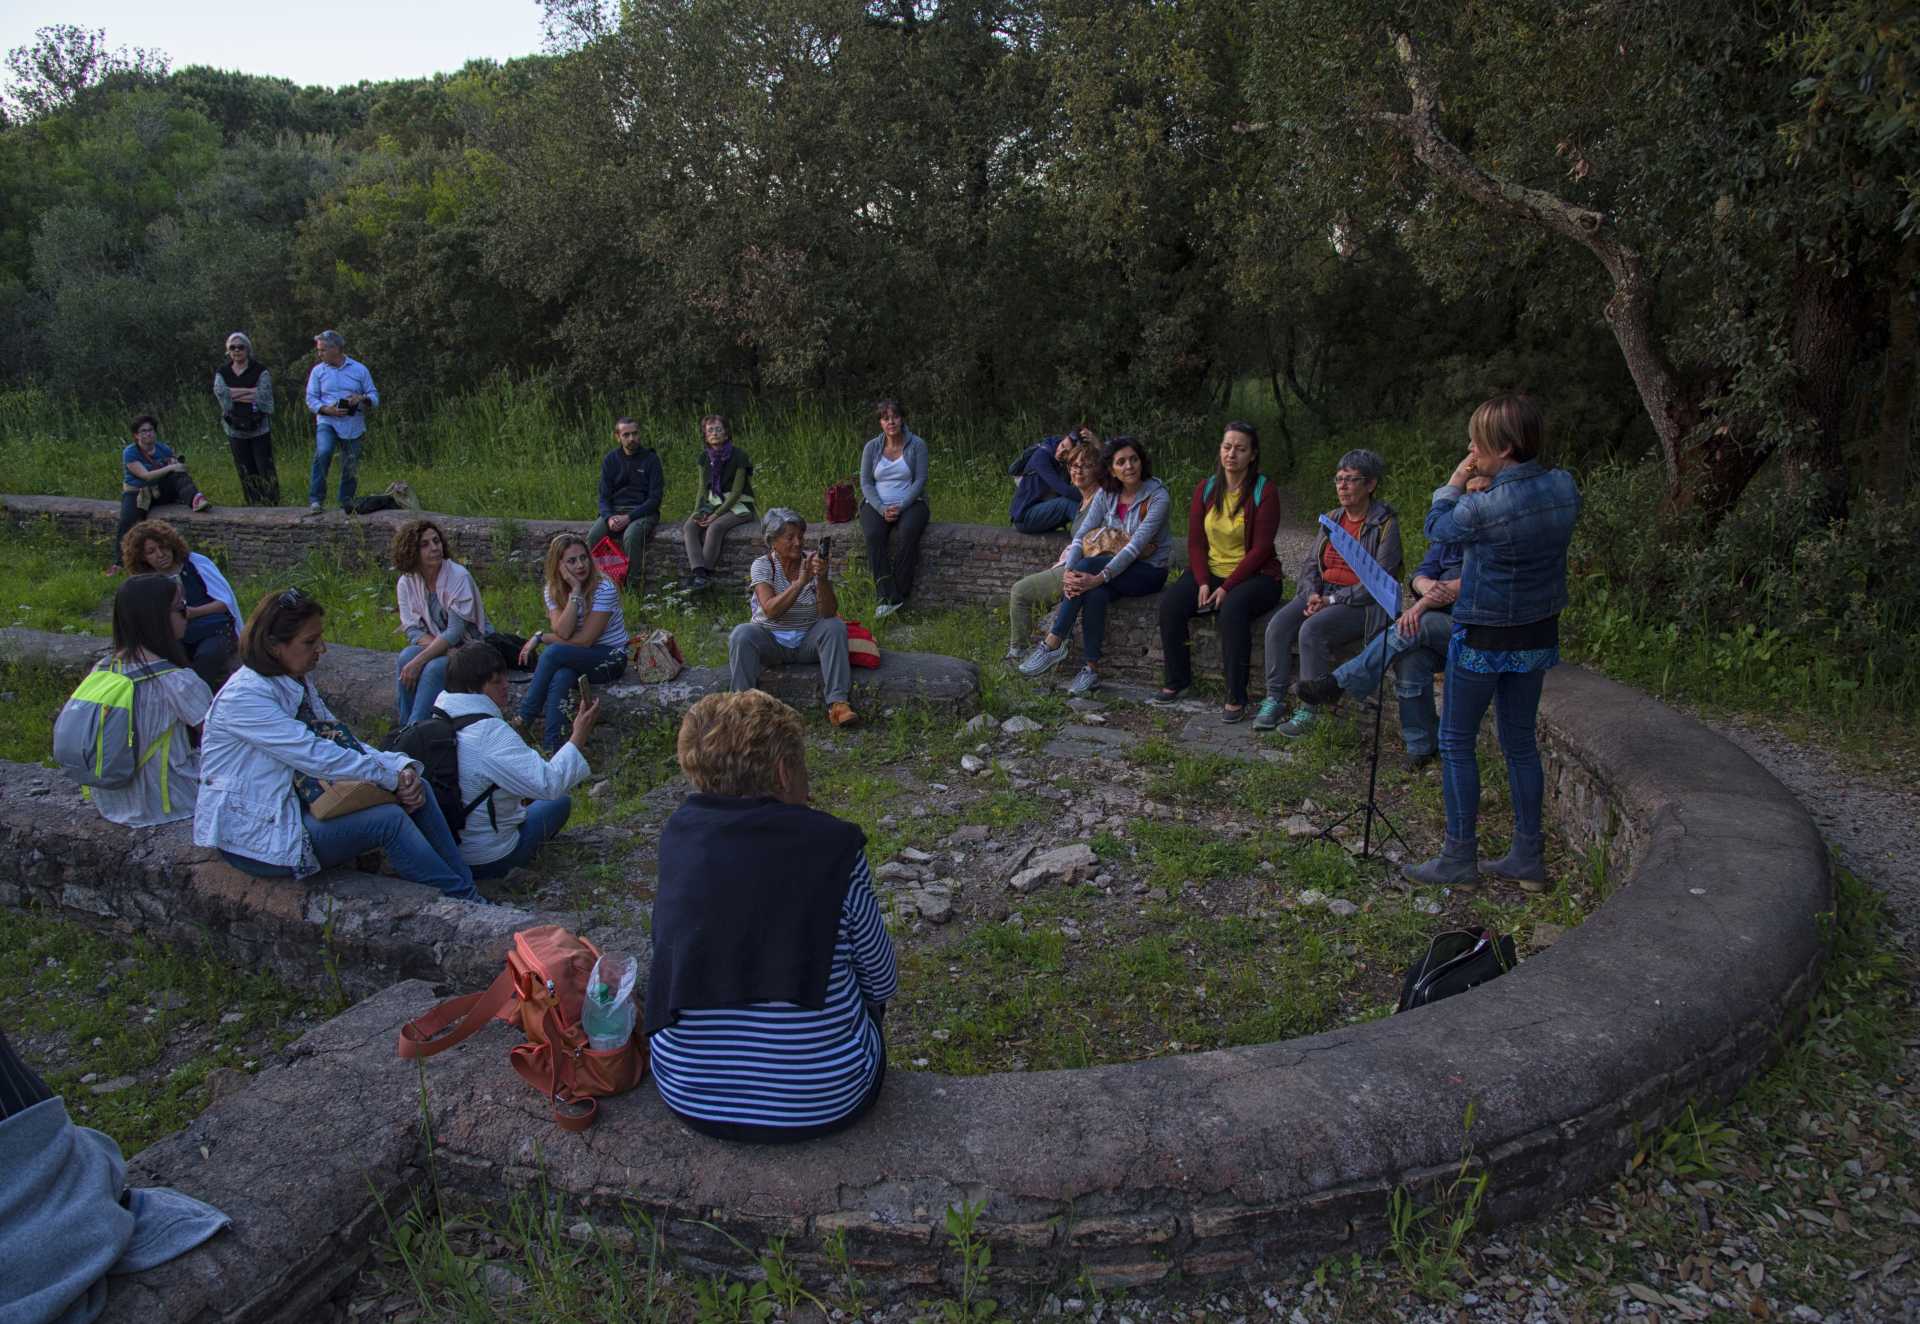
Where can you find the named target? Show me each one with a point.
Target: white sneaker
(886, 609)
(1086, 681)
(1043, 659)
(313, 508)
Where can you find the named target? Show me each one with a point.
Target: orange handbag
(540, 992)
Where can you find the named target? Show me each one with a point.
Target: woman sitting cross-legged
(1041, 589)
(150, 471)
(169, 705)
(1332, 607)
(771, 964)
(439, 609)
(586, 636)
(270, 747)
(1231, 568)
(1119, 551)
(213, 614)
(796, 618)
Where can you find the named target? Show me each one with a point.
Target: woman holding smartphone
(586, 638)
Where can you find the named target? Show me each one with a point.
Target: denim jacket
(1515, 535)
(253, 744)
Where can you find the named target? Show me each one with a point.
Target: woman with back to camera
(771, 964)
(1087, 471)
(243, 388)
(1506, 630)
(725, 500)
(213, 614)
(1119, 551)
(169, 705)
(440, 608)
(586, 636)
(893, 511)
(271, 744)
(1231, 568)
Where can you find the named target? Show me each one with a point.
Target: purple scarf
(716, 464)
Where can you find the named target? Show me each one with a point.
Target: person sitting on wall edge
(1415, 648)
(1044, 497)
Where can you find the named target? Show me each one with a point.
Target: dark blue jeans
(325, 442)
(1048, 514)
(419, 846)
(542, 824)
(1516, 703)
(1136, 581)
(561, 666)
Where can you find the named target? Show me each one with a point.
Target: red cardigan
(1259, 558)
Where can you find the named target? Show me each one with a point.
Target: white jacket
(494, 753)
(252, 746)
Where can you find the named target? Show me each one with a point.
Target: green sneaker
(1269, 715)
(1300, 723)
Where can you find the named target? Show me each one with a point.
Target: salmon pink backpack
(539, 992)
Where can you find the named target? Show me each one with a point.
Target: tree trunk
(1704, 478)
(1887, 474)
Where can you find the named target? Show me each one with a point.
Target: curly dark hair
(405, 552)
(133, 545)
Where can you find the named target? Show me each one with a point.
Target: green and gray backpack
(94, 740)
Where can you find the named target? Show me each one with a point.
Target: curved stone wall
(1676, 990)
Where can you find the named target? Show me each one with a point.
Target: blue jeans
(561, 666)
(325, 439)
(416, 704)
(1414, 661)
(1048, 514)
(1516, 702)
(1136, 581)
(419, 846)
(542, 824)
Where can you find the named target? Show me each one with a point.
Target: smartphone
(826, 549)
(586, 692)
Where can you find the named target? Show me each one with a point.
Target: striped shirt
(801, 615)
(606, 597)
(778, 1064)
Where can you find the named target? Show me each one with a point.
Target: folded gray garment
(64, 1226)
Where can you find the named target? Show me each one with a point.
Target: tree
(64, 60)
(1645, 135)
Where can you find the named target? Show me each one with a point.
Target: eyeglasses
(1350, 480)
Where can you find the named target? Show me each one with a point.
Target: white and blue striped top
(778, 1064)
(606, 597)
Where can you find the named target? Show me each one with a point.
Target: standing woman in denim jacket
(893, 481)
(1506, 629)
(1134, 503)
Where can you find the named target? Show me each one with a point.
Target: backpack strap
(460, 724)
(539, 1066)
(421, 1037)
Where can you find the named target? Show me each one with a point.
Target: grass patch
(128, 1029)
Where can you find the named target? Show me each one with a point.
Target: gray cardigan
(262, 401)
(916, 457)
(1145, 526)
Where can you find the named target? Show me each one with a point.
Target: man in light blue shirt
(339, 392)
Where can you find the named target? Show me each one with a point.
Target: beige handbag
(1109, 538)
(346, 795)
(656, 658)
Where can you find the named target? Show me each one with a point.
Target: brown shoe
(841, 714)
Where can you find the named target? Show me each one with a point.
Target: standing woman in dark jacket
(244, 390)
(893, 480)
(1506, 630)
(1231, 568)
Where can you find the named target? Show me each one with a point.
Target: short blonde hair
(1511, 424)
(736, 744)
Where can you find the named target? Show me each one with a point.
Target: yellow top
(1226, 537)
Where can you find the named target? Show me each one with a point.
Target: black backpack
(435, 743)
(1456, 961)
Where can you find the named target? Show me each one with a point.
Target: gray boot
(1453, 867)
(1524, 862)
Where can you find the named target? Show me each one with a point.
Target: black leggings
(1251, 598)
(253, 458)
(175, 487)
(893, 569)
(20, 1087)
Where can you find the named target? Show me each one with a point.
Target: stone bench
(1673, 993)
(357, 683)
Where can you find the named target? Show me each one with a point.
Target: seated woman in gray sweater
(1120, 551)
(893, 481)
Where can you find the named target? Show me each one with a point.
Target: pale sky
(328, 42)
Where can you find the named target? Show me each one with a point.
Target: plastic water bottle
(607, 1013)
